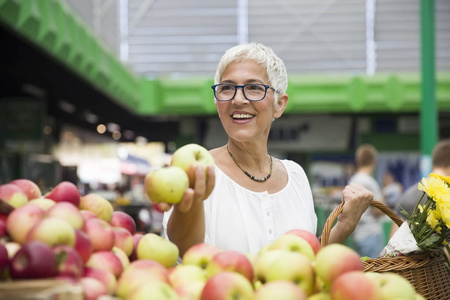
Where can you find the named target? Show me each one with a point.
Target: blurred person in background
(440, 165)
(368, 236)
(392, 189)
(250, 197)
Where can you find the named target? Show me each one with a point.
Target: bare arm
(186, 226)
(356, 200)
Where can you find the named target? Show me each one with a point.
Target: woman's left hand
(356, 199)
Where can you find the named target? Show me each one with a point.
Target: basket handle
(335, 213)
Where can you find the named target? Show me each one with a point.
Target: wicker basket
(426, 271)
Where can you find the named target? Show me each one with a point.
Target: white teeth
(242, 116)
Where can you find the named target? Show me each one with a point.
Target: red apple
(123, 240)
(4, 262)
(136, 238)
(69, 262)
(83, 245)
(65, 191)
(139, 273)
(233, 261)
(311, 238)
(52, 231)
(21, 220)
(124, 220)
(68, 212)
(356, 286)
(87, 215)
(100, 233)
(107, 278)
(12, 195)
(30, 189)
(92, 288)
(3, 231)
(334, 260)
(227, 285)
(200, 255)
(98, 205)
(106, 260)
(33, 260)
(282, 289)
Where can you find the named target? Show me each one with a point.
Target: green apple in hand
(189, 157)
(166, 184)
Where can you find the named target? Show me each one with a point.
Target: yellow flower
(432, 220)
(444, 178)
(443, 213)
(436, 189)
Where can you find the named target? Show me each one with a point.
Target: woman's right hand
(203, 186)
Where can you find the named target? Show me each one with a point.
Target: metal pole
(428, 110)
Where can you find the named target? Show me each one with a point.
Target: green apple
(98, 205)
(153, 246)
(394, 286)
(320, 296)
(282, 289)
(184, 274)
(333, 260)
(43, 203)
(153, 290)
(293, 243)
(166, 184)
(274, 265)
(52, 231)
(190, 156)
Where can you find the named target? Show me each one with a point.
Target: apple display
(93, 289)
(101, 207)
(12, 195)
(65, 191)
(277, 265)
(136, 238)
(189, 156)
(69, 261)
(282, 289)
(83, 245)
(354, 285)
(100, 233)
(124, 220)
(233, 261)
(105, 277)
(294, 243)
(123, 240)
(33, 260)
(334, 260)
(43, 203)
(153, 246)
(185, 274)
(106, 260)
(227, 285)
(200, 255)
(311, 238)
(52, 231)
(153, 290)
(166, 184)
(67, 211)
(30, 189)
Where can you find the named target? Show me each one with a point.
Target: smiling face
(246, 120)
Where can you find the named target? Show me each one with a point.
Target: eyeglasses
(252, 92)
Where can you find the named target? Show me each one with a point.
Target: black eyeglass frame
(243, 90)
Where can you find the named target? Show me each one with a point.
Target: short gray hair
(275, 68)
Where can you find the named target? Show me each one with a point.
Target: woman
(251, 198)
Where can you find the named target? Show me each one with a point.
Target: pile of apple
(68, 236)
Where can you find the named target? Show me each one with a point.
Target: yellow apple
(166, 184)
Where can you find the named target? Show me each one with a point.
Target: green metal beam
(428, 109)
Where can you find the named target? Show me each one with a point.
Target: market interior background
(101, 92)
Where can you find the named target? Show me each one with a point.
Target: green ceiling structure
(51, 26)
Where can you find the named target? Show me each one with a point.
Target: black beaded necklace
(257, 179)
